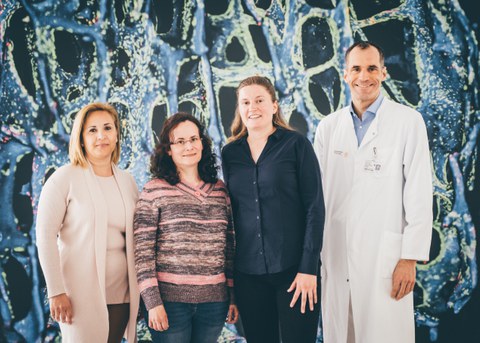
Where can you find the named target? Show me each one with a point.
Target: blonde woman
(85, 236)
(274, 181)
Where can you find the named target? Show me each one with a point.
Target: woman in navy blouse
(274, 181)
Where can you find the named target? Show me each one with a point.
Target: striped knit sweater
(184, 243)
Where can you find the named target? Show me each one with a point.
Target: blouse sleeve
(310, 187)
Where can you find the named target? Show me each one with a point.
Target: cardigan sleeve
(52, 208)
(145, 225)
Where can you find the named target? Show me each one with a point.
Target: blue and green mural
(153, 58)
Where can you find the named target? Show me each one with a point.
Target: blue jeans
(192, 323)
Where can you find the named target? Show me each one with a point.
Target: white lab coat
(378, 199)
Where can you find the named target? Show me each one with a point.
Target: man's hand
(403, 278)
(232, 315)
(61, 309)
(157, 318)
(306, 286)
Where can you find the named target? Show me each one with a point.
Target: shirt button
(256, 200)
(348, 280)
(258, 217)
(258, 235)
(261, 252)
(254, 182)
(361, 126)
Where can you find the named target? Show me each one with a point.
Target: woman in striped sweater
(184, 239)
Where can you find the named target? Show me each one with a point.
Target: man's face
(364, 74)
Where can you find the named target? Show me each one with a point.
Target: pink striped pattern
(188, 231)
(191, 279)
(145, 229)
(147, 284)
(196, 221)
(166, 192)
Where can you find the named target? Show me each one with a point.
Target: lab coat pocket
(390, 253)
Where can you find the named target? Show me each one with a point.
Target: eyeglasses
(183, 142)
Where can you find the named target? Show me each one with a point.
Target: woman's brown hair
(161, 163)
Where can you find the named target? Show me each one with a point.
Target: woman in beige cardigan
(85, 237)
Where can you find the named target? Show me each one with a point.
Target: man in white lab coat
(376, 174)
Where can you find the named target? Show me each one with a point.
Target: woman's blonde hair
(238, 128)
(76, 151)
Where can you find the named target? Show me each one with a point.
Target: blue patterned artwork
(153, 58)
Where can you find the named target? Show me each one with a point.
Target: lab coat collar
(372, 109)
(372, 131)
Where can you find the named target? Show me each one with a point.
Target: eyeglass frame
(182, 143)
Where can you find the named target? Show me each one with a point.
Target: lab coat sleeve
(417, 193)
(310, 187)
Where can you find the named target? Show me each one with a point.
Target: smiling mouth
(364, 86)
(254, 116)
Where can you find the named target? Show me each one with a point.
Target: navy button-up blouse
(277, 204)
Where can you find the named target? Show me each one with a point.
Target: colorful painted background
(153, 58)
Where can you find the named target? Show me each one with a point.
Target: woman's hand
(232, 315)
(61, 309)
(306, 286)
(157, 318)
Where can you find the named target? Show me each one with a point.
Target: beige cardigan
(72, 243)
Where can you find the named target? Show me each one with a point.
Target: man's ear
(384, 73)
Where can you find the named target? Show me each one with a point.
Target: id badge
(373, 165)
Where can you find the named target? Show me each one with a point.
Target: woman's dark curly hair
(161, 163)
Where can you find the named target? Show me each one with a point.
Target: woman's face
(99, 136)
(256, 107)
(185, 145)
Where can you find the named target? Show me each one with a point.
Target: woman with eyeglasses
(184, 238)
(274, 182)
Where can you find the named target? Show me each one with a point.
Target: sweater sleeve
(230, 245)
(52, 208)
(145, 225)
